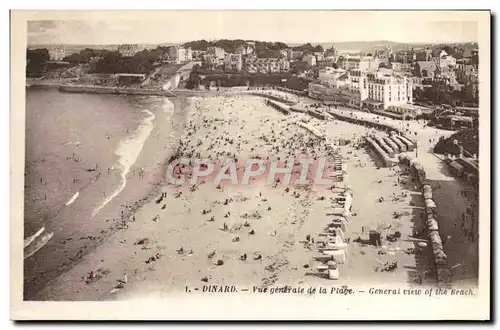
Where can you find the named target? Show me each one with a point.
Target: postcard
(240, 165)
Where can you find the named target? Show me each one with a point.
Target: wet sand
(249, 235)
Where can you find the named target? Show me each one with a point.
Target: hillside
(262, 48)
(367, 46)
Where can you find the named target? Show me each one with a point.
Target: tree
(309, 48)
(194, 81)
(299, 67)
(318, 49)
(111, 62)
(196, 69)
(199, 45)
(35, 61)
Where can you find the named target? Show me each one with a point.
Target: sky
(286, 26)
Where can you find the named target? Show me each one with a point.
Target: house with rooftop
(426, 69)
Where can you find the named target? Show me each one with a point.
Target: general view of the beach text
(253, 153)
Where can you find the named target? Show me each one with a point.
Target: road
(152, 74)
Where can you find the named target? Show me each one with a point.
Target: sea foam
(128, 151)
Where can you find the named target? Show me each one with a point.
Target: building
(331, 76)
(128, 50)
(245, 49)
(333, 95)
(371, 91)
(352, 63)
(466, 73)
(445, 60)
(233, 62)
(383, 53)
(266, 65)
(294, 54)
(319, 56)
(310, 59)
(383, 92)
(428, 54)
(397, 66)
(198, 54)
(426, 69)
(126, 79)
(331, 52)
(57, 53)
(180, 54)
(217, 52)
(210, 62)
(363, 63)
(369, 64)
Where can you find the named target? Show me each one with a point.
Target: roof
(130, 75)
(344, 76)
(461, 118)
(372, 101)
(426, 65)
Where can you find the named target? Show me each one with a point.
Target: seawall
(112, 90)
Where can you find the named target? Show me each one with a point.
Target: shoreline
(113, 216)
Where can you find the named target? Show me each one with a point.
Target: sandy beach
(257, 234)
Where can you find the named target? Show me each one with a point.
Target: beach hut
(413, 163)
(430, 213)
(337, 255)
(391, 144)
(335, 242)
(429, 204)
(404, 159)
(440, 258)
(333, 270)
(384, 146)
(401, 145)
(374, 237)
(427, 191)
(456, 169)
(443, 274)
(432, 224)
(436, 242)
(337, 223)
(472, 178)
(409, 145)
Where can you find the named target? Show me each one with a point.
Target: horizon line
(286, 42)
